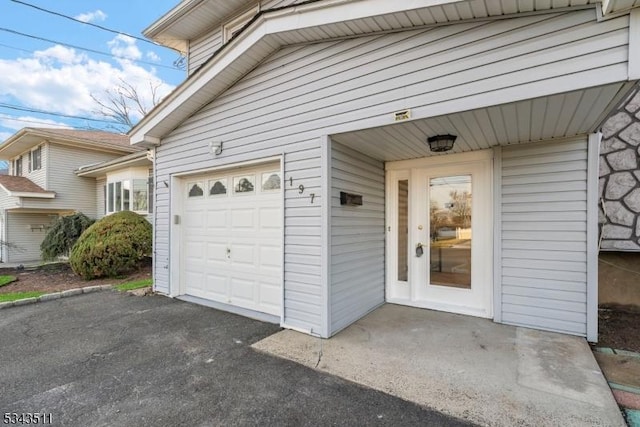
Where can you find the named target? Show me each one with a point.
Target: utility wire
(68, 116)
(14, 119)
(97, 52)
(83, 22)
(179, 63)
(15, 48)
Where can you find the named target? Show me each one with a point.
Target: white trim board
(593, 159)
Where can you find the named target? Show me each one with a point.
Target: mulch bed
(59, 277)
(619, 328)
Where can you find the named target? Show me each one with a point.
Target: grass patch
(19, 295)
(129, 286)
(5, 280)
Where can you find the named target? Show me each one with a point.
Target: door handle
(419, 250)
(228, 253)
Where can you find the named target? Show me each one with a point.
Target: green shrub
(113, 246)
(63, 235)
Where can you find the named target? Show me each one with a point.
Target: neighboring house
(123, 184)
(42, 183)
(620, 178)
(295, 182)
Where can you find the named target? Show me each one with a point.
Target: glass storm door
(440, 237)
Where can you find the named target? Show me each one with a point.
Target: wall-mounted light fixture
(215, 147)
(440, 143)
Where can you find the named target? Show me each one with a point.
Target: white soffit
(559, 116)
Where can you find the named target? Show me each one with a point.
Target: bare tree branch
(125, 101)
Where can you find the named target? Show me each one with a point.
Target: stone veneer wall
(620, 178)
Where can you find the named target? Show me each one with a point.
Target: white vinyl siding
(300, 93)
(544, 240)
(72, 192)
(100, 197)
(357, 237)
(203, 48)
(26, 240)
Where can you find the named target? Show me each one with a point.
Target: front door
(439, 234)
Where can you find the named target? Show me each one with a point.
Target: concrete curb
(55, 296)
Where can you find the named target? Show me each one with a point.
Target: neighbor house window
(110, 197)
(234, 26)
(17, 166)
(121, 197)
(133, 194)
(150, 191)
(35, 159)
(141, 195)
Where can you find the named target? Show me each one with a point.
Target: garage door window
(195, 189)
(244, 184)
(270, 181)
(218, 187)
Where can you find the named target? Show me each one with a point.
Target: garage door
(232, 238)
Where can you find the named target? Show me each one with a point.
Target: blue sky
(39, 75)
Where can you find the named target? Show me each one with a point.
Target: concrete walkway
(470, 368)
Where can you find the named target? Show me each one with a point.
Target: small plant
(63, 235)
(14, 296)
(137, 284)
(115, 245)
(5, 280)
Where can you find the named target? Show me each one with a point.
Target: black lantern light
(440, 143)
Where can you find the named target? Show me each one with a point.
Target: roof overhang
(617, 6)
(29, 194)
(47, 195)
(139, 158)
(273, 29)
(190, 19)
(28, 138)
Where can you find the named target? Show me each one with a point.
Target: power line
(15, 119)
(97, 52)
(68, 116)
(83, 22)
(179, 63)
(16, 48)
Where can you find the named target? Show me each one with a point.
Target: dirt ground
(619, 328)
(60, 277)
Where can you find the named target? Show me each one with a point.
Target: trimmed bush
(63, 235)
(113, 246)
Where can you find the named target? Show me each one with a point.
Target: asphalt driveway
(112, 359)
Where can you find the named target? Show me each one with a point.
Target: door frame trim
(401, 169)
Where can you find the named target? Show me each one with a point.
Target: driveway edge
(55, 296)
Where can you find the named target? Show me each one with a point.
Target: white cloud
(60, 54)
(95, 16)
(62, 80)
(124, 47)
(152, 56)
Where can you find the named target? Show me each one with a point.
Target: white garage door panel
(217, 286)
(243, 256)
(270, 218)
(233, 242)
(217, 219)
